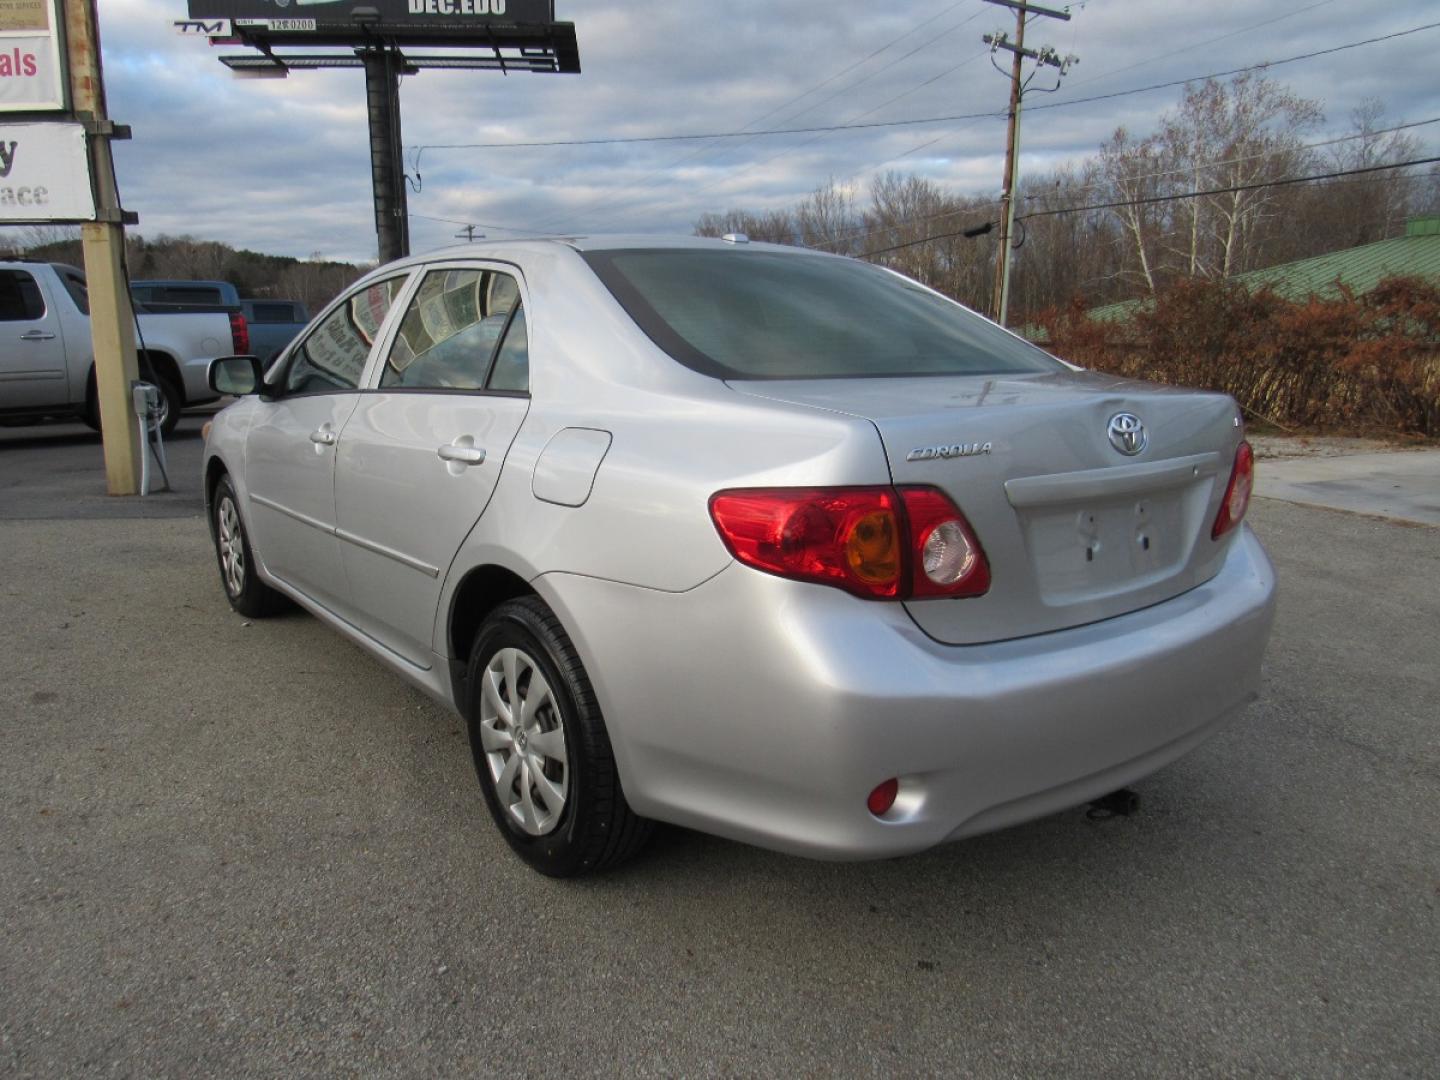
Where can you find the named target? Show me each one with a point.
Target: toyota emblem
(1127, 434)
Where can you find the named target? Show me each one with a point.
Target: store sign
(31, 74)
(333, 12)
(44, 174)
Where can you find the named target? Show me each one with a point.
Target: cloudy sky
(282, 166)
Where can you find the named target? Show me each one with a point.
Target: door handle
(323, 437)
(37, 335)
(465, 455)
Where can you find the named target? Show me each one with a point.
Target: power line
(821, 129)
(1253, 157)
(1234, 71)
(795, 149)
(1200, 44)
(1165, 198)
(869, 230)
(471, 224)
(1092, 78)
(1233, 188)
(860, 63)
(746, 136)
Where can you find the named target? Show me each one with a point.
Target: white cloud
(283, 166)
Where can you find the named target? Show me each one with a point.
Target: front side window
(450, 333)
(768, 315)
(333, 356)
(20, 299)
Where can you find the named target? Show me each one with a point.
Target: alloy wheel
(522, 733)
(231, 543)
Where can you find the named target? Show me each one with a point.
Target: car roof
(601, 242)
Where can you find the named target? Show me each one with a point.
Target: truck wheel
(172, 401)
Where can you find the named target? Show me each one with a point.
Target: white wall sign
(31, 74)
(44, 174)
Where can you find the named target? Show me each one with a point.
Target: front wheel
(243, 588)
(541, 750)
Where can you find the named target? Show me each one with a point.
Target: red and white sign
(32, 77)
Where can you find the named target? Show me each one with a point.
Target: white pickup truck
(47, 364)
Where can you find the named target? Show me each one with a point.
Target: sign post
(55, 166)
(112, 319)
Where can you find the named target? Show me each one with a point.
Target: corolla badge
(1127, 434)
(929, 453)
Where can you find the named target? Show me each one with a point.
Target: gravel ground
(1324, 446)
(243, 849)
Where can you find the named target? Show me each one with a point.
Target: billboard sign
(44, 174)
(32, 77)
(329, 13)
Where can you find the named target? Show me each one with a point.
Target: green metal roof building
(1417, 254)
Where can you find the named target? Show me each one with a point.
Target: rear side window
(449, 337)
(333, 356)
(769, 315)
(512, 362)
(272, 313)
(186, 294)
(20, 299)
(75, 285)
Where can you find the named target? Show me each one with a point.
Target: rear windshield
(767, 315)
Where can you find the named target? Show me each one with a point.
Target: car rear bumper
(766, 710)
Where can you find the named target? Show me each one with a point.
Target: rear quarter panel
(677, 438)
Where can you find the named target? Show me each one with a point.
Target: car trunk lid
(1076, 530)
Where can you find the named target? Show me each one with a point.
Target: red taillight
(847, 537)
(1237, 492)
(876, 542)
(239, 334)
(883, 797)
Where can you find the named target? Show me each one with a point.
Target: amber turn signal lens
(872, 550)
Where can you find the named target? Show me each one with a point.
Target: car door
(32, 347)
(290, 448)
(422, 452)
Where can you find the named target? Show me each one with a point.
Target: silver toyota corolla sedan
(772, 544)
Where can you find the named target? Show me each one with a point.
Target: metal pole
(387, 171)
(112, 319)
(1007, 198)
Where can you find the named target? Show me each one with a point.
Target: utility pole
(468, 235)
(112, 319)
(1046, 56)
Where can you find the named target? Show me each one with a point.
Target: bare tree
(826, 219)
(1133, 172)
(772, 226)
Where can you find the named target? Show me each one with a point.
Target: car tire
(243, 588)
(549, 778)
(171, 403)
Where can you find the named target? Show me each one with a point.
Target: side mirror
(237, 375)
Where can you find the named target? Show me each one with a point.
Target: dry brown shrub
(1348, 363)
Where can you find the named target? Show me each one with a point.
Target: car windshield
(769, 315)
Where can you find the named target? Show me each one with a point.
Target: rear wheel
(172, 400)
(541, 750)
(243, 588)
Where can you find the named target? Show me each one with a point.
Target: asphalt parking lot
(232, 848)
